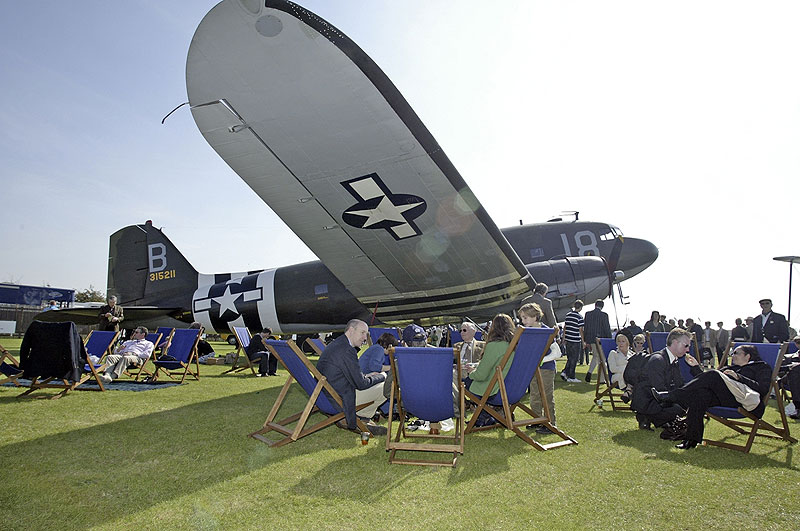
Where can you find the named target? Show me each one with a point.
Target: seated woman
(375, 359)
(499, 337)
(638, 343)
(617, 361)
(709, 389)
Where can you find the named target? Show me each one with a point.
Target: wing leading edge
(319, 132)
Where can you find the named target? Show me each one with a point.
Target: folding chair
(658, 340)
(375, 333)
(53, 356)
(99, 343)
(184, 349)
(242, 342)
(154, 338)
(316, 344)
(605, 387)
(744, 422)
(11, 370)
(422, 385)
(525, 353)
(312, 382)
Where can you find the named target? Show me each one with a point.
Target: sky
(678, 122)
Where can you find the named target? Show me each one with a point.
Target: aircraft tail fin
(146, 269)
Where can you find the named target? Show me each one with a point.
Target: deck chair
(375, 333)
(316, 345)
(745, 423)
(658, 340)
(422, 385)
(154, 338)
(605, 387)
(313, 383)
(242, 342)
(528, 347)
(9, 371)
(184, 349)
(99, 343)
(53, 356)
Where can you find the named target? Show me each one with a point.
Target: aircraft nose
(636, 256)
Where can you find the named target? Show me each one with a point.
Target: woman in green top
(501, 332)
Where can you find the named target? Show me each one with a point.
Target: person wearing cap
(415, 336)
(339, 364)
(769, 327)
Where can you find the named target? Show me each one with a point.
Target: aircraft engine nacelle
(573, 277)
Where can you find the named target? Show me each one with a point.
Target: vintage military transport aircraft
(320, 133)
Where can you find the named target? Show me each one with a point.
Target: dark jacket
(662, 375)
(595, 324)
(757, 375)
(339, 364)
(106, 325)
(52, 350)
(776, 330)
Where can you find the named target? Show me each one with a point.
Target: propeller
(616, 276)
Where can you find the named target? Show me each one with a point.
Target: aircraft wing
(134, 316)
(320, 133)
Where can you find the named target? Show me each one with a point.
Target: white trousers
(375, 395)
(117, 364)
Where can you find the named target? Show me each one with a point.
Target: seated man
(709, 389)
(339, 364)
(661, 371)
(131, 353)
(470, 349)
(257, 350)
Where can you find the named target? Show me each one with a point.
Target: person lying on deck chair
(131, 353)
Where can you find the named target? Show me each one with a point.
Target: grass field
(180, 458)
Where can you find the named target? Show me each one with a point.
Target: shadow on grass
(118, 468)
(709, 457)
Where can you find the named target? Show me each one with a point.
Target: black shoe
(795, 416)
(374, 429)
(342, 424)
(272, 374)
(588, 377)
(686, 445)
(625, 398)
(563, 376)
(644, 425)
(661, 396)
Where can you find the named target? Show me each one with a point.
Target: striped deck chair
(183, 349)
(312, 382)
(744, 422)
(242, 342)
(375, 333)
(53, 356)
(605, 388)
(525, 353)
(422, 385)
(10, 370)
(316, 344)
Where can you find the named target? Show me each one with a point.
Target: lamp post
(791, 260)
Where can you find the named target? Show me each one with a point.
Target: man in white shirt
(133, 352)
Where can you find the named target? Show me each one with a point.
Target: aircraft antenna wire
(172, 111)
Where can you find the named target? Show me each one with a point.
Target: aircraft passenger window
(538, 252)
(321, 289)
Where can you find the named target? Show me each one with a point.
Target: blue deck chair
(10, 370)
(183, 348)
(240, 360)
(376, 332)
(155, 338)
(316, 344)
(53, 356)
(99, 343)
(744, 422)
(313, 383)
(528, 347)
(166, 335)
(658, 340)
(422, 385)
(605, 388)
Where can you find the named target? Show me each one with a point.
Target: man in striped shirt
(573, 341)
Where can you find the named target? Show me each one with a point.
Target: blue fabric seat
(376, 332)
(183, 348)
(322, 397)
(242, 342)
(10, 370)
(422, 386)
(604, 387)
(528, 346)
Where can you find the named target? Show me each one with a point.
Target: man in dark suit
(739, 332)
(661, 371)
(769, 327)
(111, 315)
(595, 324)
(339, 364)
(539, 292)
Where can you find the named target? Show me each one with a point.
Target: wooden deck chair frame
(454, 443)
(505, 417)
(749, 424)
(240, 352)
(300, 419)
(314, 343)
(93, 369)
(605, 388)
(183, 368)
(14, 365)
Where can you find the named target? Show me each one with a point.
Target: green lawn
(180, 458)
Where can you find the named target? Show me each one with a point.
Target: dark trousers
(573, 351)
(705, 391)
(266, 364)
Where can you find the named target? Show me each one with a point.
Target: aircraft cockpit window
(611, 233)
(537, 252)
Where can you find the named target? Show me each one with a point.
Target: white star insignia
(227, 301)
(385, 211)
